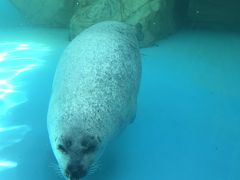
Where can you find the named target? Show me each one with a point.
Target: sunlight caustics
(4, 165)
(12, 135)
(5, 88)
(3, 56)
(15, 59)
(22, 47)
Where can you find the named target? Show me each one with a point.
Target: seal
(94, 95)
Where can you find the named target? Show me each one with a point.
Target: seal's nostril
(75, 171)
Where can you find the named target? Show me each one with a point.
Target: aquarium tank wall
(187, 123)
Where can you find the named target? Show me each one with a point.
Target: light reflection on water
(15, 59)
(4, 165)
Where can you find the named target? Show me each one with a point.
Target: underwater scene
(120, 89)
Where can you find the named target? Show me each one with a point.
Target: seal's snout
(75, 171)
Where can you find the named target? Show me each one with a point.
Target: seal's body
(94, 94)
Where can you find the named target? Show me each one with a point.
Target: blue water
(188, 119)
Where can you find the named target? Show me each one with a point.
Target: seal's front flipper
(132, 119)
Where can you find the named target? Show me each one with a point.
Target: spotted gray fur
(94, 94)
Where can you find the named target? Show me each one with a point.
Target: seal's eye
(61, 148)
(68, 143)
(89, 144)
(65, 145)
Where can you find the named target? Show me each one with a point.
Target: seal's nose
(75, 171)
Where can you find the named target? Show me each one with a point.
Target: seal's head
(77, 154)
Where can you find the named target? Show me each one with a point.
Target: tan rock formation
(155, 16)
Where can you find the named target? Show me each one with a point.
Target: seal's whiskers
(95, 167)
(56, 169)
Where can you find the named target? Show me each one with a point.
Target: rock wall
(215, 13)
(158, 18)
(53, 13)
(155, 16)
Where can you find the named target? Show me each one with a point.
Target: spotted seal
(94, 94)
